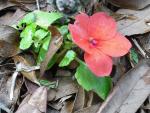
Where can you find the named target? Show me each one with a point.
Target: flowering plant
(97, 35)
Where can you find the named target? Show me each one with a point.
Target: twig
(14, 76)
(37, 4)
(143, 53)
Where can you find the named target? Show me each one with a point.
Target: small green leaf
(70, 56)
(134, 56)
(68, 44)
(63, 30)
(27, 36)
(69, 36)
(52, 61)
(48, 83)
(28, 18)
(45, 19)
(100, 85)
(43, 49)
(38, 36)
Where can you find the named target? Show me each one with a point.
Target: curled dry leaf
(29, 75)
(130, 92)
(54, 45)
(36, 103)
(8, 41)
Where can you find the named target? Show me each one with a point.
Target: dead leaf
(66, 87)
(17, 16)
(23, 1)
(4, 4)
(129, 26)
(29, 75)
(36, 103)
(130, 4)
(92, 109)
(5, 84)
(5, 18)
(130, 92)
(54, 45)
(8, 41)
(80, 99)
(68, 106)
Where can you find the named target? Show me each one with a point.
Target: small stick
(14, 76)
(37, 4)
(139, 47)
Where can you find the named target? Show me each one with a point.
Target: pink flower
(97, 35)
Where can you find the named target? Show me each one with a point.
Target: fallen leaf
(130, 92)
(36, 103)
(66, 87)
(29, 75)
(92, 109)
(68, 106)
(54, 45)
(4, 4)
(130, 4)
(128, 26)
(8, 41)
(5, 84)
(79, 99)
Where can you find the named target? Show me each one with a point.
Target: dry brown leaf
(130, 4)
(66, 87)
(92, 109)
(8, 41)
(5, 84)
(54, 45)
(29, 75)
(4, 4)
(130, 92)
(80, 99)
(36, 103)
(128, 26)
(68, 106)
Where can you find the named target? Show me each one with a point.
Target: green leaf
(52, 61)
(28, 18)
(48, 83)
(44, 49)
(27, 36)
(68, 44)
(45, 19)
(69, 36)
(63, 30)
(70, 56)
(134, 56)
(100, 85)
(38, 36)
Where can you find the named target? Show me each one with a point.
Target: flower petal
(116, 47)
(102, 26)
(80, 37)
(100, 64)
(82, 20)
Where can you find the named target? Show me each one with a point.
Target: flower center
(93, 41)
